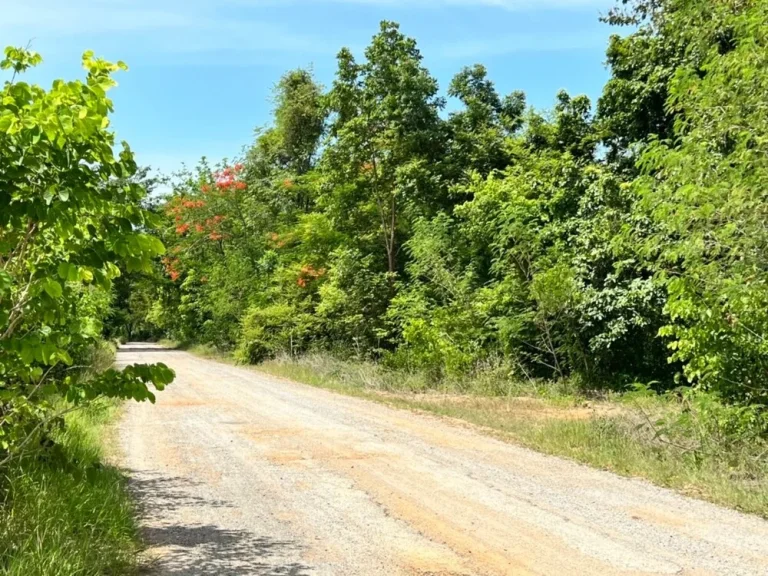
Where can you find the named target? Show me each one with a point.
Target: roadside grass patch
(63, 511)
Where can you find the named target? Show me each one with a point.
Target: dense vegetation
(613, 244)
(66, 512)
(70, 215)
(70, 219)
(606, 247)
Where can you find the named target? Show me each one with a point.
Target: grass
(63, 511)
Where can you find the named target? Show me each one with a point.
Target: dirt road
(242, 473)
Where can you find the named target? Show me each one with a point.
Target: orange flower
(182, 229)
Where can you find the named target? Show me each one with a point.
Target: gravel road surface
(238, 472)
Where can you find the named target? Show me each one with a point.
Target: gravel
(237, 472)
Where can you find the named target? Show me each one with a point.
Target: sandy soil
(237, 472)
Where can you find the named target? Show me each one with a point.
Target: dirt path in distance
(238, 472)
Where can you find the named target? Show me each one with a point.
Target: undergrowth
(63, 511)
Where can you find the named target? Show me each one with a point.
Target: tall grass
(63, 512)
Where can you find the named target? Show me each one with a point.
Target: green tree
(384, 135)
(478, 132)
(299, 119)
(69, 216)
(705, 191)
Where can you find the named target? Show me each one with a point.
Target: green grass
(65, 512)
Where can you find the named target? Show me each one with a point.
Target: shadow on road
(198, 550)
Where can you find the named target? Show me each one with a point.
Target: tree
(478, 132)
(669, 35)
(70, 215)
(299, 119)
(384, 135)
(705, 191)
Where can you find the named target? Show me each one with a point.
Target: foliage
(603, 247)
(383, 136)
(706, 194)
(70, 215)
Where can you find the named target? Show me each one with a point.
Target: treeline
(617, 243)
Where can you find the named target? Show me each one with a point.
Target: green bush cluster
(70, 217)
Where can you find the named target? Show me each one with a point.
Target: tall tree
(70, 213)
(385, 133)
(706, 191)
(299, 119)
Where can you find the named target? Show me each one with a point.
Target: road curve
(237, 472)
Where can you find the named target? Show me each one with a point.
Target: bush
(268, 331)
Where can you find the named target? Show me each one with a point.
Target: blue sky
(202, 71)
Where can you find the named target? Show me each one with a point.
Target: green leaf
(6, 281)
(52, 288)
(27, 353)
(63, 270)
